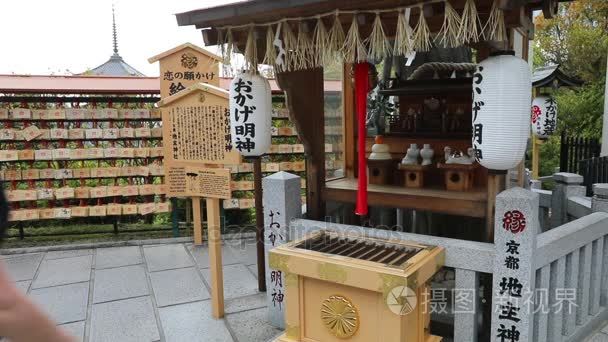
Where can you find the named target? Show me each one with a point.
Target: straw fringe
(251, 52)
(290, 45)
(322, 44)
(336, 40)
(422, 34)
(469, 26)
(354, 49)
(226, 46)
(379, 47)
(304, 49)
(496, 24)
(320, 40)
(449, 32)
(270, 57)
(403, 36)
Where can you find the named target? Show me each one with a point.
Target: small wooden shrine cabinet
(352, 288)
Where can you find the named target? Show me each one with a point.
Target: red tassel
(361, 89)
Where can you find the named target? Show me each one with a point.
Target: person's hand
(21, 320)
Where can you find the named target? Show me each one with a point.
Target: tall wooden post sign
(197, 143)
(186, 65)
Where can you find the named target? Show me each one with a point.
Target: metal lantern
(250, 114)
(544, 116)
(501, 107)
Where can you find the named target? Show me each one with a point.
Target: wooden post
(259, 223)
(496, 184)
(174, 217)
(535, 146)
(521, 174)
(197, 222)
(535, 156)
(215, 256)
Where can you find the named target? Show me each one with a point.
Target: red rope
(361, 89)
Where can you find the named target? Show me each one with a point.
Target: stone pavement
(146, 293)
(600, 336)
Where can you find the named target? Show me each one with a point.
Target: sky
(42, 37)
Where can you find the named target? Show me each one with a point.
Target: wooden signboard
(186, 65)
(196, 137)
(208, 182)
(196, 134)
(196, 130)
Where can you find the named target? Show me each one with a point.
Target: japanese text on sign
(200, 133)
(245, 130)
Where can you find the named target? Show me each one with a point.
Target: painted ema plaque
(186, 65)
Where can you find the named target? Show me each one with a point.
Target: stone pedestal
(281, 205)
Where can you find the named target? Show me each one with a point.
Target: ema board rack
(349, 287)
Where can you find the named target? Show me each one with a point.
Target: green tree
(577, 40)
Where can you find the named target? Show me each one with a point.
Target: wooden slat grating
(386, 253)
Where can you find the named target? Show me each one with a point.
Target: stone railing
(567, 201)
(570, 260)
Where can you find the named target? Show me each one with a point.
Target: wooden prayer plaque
(98, 210)
(30, 214)
(82, 192)
(9, 155)
(129, 209)
(26, 154)
(47, 214)
(146, 208)
(12, 175)
(184, 66)
(114, 210)
(63, 213)
(30, 132)
(114, 190)
(64, 193)
(99, 192)
(45, 194)
(80, 211)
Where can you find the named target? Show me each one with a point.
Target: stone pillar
(566, 185)
(515, 228)
(282, 204)
(599, 201)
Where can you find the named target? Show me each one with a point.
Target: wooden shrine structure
(304, 89)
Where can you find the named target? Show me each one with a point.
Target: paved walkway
(146, 293)
(600, 336)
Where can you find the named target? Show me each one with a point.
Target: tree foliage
(577, 40)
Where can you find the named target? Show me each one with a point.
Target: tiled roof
(115, 66)
(552, 76)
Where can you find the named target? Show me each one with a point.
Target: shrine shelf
(471, 203)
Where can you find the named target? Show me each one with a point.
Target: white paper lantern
(544, 116)
(501, 107)
(250, 114)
